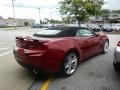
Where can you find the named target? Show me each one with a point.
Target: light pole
(14, 13)
(39, 16)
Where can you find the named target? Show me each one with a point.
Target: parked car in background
(59, 49)
(36, 26)
(116, 27)
(107, 28)
(84, 25)
(95, 27)
(116, 61)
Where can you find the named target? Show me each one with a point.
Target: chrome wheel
(70, 64)
(106, 46)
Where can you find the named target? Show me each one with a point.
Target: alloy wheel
(70, 64)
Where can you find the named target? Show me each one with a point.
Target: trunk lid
(30, 43)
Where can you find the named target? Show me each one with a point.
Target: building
(18, 22)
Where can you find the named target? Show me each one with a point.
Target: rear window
(49, 32)
(56, 33)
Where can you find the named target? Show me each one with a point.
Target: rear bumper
(116, 56)
(46, 61)
(116, 61)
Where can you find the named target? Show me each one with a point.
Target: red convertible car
(59, 49)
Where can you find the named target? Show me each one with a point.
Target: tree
(68, 20)
(116, 11)
(26, 23)
(80, 9)
(53, 21)
(105, 13)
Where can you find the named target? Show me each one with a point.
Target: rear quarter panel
(59, 48)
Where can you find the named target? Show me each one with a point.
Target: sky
(27, 9)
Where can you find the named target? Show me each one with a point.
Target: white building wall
(19, 22)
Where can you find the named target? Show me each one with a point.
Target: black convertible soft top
(66, 28)
(54, 32)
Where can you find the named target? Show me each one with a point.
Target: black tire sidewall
(115, 67)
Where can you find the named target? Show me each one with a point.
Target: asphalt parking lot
(96, 73)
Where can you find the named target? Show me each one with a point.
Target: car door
(88, 42)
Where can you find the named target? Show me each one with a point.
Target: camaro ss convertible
(59, 49)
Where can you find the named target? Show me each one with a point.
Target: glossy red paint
(47, 54)
(118, 43)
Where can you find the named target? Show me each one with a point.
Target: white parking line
(2, 43)
(5, 53)
(3, 48)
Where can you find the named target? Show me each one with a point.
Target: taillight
(36, 44)
(118, 43)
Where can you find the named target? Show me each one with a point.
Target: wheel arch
(107, 40)
(73, 50)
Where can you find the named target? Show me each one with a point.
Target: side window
(84, 32)
(78, 33)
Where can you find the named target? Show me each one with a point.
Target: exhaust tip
(35, 71)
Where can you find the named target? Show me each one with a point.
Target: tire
(105, 48)
(70, 64)
(116, 67)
